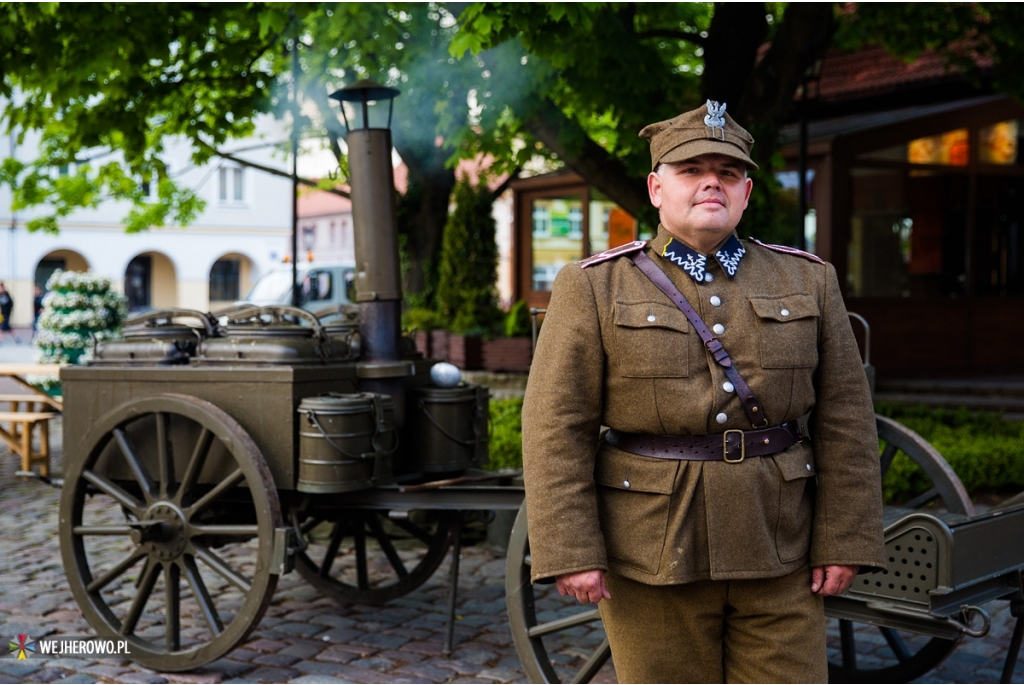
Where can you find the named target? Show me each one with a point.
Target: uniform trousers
(717, 631)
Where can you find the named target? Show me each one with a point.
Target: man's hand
(831, 580)
(586, 586)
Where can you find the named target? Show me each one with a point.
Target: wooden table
(23, 424)
(18, 371)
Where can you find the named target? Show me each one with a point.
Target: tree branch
(278, 172)
(591, 161)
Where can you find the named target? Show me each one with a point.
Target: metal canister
(445, 428)
(346, 442)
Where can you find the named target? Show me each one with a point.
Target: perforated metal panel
(912, 561)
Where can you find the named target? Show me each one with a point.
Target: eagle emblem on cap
(715, 119)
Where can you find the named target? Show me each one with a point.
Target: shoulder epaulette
(789, 250)
(628, 248)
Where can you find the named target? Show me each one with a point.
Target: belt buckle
(725, 446)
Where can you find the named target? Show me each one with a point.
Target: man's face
(701, 199)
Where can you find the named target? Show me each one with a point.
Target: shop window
(951, 148)
(908, 232)
(997, 144)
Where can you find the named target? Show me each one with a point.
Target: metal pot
(154, 338)
(267, 336)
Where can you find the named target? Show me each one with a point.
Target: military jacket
(615, 351)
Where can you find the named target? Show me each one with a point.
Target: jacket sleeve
(847, 526)
(561, 424)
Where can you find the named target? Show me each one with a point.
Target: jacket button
(728, 387)
(722, 418)
(708, 278)
(718, 329)
(784, 312)
(716, 301)
(625, 483)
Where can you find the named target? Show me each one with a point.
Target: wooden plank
(26, 415)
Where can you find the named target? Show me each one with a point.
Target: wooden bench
(19, 437)
(31, 402)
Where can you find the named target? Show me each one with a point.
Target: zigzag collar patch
(695, 264)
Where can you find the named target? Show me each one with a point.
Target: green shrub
(985, 450)
(506, 445)
(420, 319)
(517, 321)
(467, 298)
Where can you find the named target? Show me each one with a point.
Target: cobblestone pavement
(305, 637)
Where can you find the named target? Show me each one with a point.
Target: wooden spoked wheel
(359, 556)
(856, 654)
(557, 639)
(167, 521)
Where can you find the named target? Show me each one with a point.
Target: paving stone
(270, 675)
(103, 671)
(18, 668)
(140, 678)
(299, 629)
(381, 640)
(9, 679)
(317, 667)
(376, 663)
(200, 677)
(401, 656)
(428, 672)
(228, 667)
(301, 651)
(341, 635)
(77, 678)
(315, 679)
(263, 645)
(362, 675)
(282, 660)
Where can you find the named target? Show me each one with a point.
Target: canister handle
(210, 325)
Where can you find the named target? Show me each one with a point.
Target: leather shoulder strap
(751, 405)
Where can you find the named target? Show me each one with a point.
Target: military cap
(704, 131)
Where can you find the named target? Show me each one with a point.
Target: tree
(601, 71)
(106, 84)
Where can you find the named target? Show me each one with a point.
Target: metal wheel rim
(527, 632)
(948, 488)
(359, 527)
(215, 425)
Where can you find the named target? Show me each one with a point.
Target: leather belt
(732, 446)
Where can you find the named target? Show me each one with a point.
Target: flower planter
(465, 351)
(507, 354)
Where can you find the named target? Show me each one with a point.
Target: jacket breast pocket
(796, 502)
(633, 495)
(788, 331)
(649, 342)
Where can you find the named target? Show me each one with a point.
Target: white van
(321, 285)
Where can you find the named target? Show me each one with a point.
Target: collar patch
(695, 264)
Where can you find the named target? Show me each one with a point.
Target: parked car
(320, 285)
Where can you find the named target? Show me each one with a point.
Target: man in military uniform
(739, 481)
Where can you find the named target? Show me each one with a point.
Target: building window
(224, 280)
(308, 237)
(137, 283)
(231, 186)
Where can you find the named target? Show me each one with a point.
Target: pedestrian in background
(6, 307)
(37, 307)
